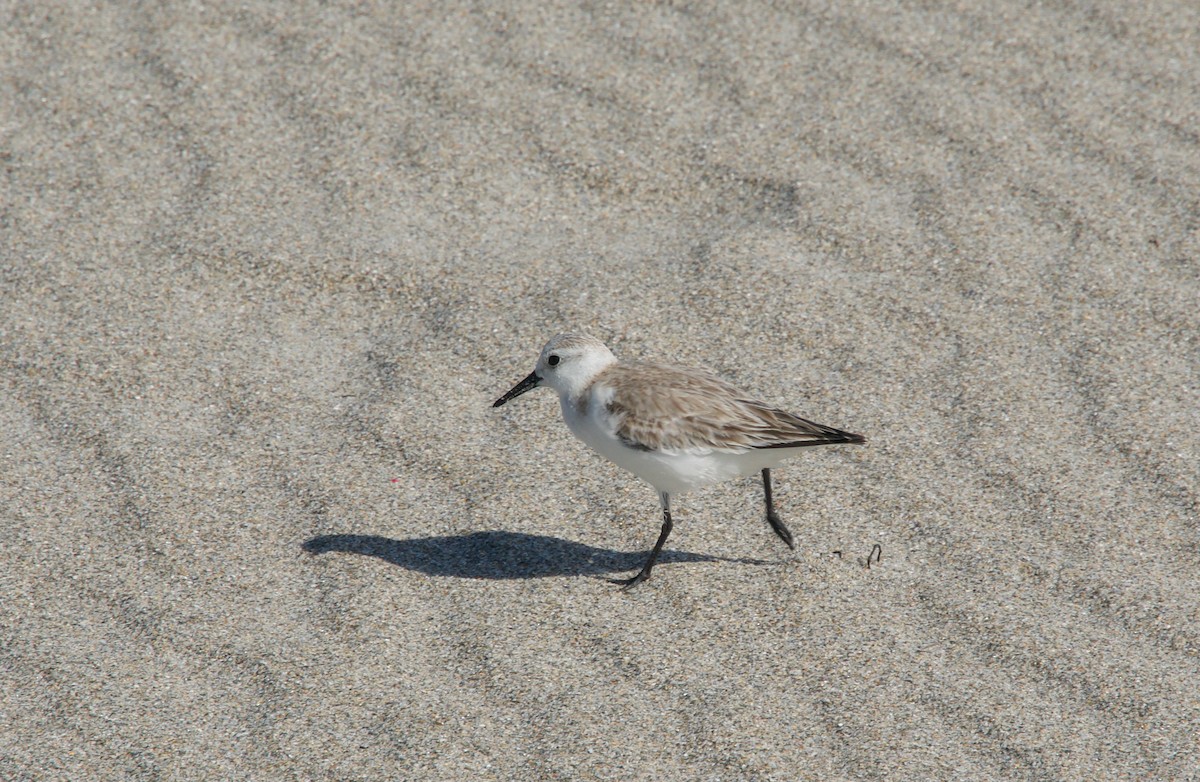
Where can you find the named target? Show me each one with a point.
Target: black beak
(528, 384)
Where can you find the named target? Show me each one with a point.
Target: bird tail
(812, 433)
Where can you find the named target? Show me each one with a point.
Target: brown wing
(681, 409)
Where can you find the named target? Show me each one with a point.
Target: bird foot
(627, 584)
(780, 529)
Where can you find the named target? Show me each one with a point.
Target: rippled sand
(263, 268)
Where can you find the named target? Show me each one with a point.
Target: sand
(264, 267)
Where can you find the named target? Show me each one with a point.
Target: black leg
(630, 583)
(772, 517)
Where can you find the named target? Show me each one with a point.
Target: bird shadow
(496, 554)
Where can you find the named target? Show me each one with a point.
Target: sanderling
(676, 428)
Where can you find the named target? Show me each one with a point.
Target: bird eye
(552, 361)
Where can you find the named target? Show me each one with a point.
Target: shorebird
(677, 428)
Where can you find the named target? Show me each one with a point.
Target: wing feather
(685, 409)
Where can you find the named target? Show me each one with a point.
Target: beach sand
(264, 267)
